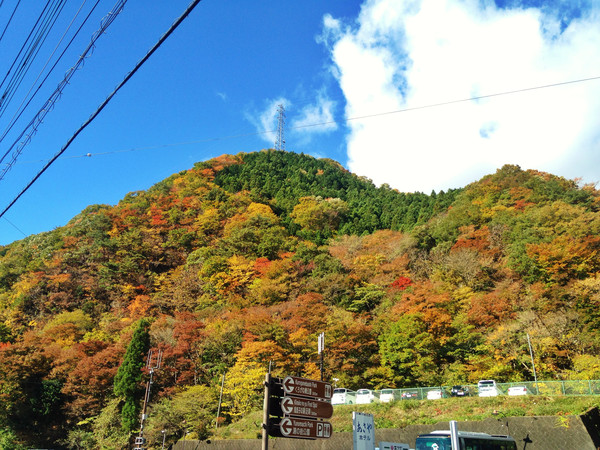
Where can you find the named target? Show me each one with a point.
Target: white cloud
(401, 55)
(315, 118)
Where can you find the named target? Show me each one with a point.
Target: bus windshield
(481, 442)
(433, 443)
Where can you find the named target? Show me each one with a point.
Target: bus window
(433, 443)
(486, 444)
(440, 440)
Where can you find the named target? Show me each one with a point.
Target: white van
(387, 395)
(364, 396)
(435, 394)
(342, 396)
(487, 388)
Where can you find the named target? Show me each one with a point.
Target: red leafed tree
(184, 358)
(490, 309)
(401, 283)
(90, 382)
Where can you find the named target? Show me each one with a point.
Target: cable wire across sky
(337, 122)
(29, 51)
(161, 40)
(37, 120)
(416, 111)
(28, 99)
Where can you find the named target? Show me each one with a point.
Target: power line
(49, 72)
(318, 124)
(15, 227)
(480, 97)
(10, 19)
(236, 136)
(154, 147)
(49, 19)
(163, 38)
(27, 99)
(32, 126)
(24, 44)
(451, 102)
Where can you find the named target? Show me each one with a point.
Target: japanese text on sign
(363, 427)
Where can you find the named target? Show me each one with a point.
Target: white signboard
(363, 431)
(393, 446)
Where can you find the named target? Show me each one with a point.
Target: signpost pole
(454, 434)
(298, 406)
(321, 351)
(265, 430)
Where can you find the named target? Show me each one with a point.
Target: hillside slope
(243, 260)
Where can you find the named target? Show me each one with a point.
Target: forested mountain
(244, 260)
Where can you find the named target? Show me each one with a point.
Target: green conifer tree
(129, 376)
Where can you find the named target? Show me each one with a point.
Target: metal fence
(552, 388)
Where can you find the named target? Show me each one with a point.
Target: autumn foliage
(240, 263)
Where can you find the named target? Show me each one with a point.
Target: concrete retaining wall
(531, 433)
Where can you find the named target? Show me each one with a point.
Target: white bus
(440, 440)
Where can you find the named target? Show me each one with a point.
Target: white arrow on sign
(286, 426)
(287, 405)
(288, 384)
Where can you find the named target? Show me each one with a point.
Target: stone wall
(531, 433)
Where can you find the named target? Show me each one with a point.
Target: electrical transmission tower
(279, 140)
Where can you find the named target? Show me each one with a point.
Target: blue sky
(214, 85)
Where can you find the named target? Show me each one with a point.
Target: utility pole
(153, 362)
(279, 140)
(537, 389)
(220, 399)
(321, 351)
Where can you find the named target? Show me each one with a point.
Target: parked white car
(343, 396)
(487, 388)
(364, 396)
(387, 395)
(517, 390)
(434, 394)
